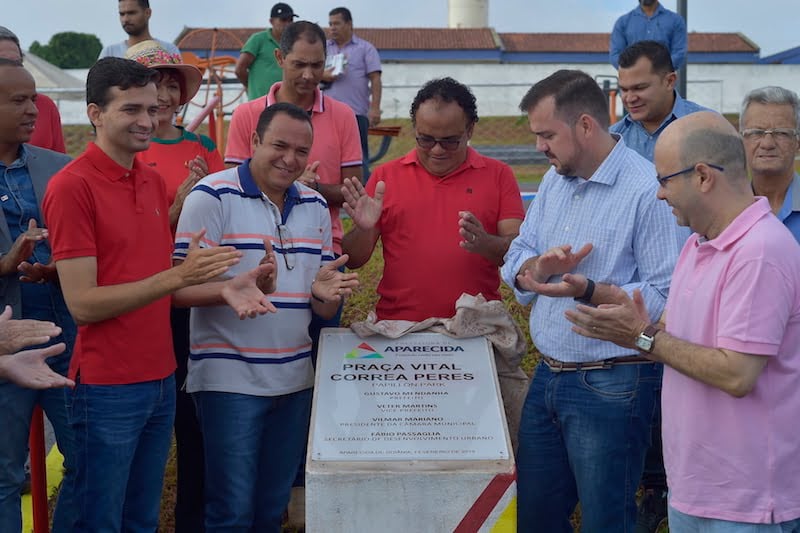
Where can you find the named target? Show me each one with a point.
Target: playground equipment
(218, 71)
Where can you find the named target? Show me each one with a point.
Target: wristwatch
(586, 298)
(646, 338)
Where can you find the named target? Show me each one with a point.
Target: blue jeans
(583, 437)
(123, 435)
(16, 408)
(684, 523)
(253, 446)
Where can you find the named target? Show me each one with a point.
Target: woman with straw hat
(182, 158)
(174, 152)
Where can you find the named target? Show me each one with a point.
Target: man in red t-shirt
(446, 216)
(445, 213)
(108, 220)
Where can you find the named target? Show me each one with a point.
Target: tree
(69, 49)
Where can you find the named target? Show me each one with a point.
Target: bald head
(704, 137)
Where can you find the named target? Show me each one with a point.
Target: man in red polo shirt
(109, 231)
(445, 213)
(446, 216)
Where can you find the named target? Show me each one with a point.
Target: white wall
(499, 87)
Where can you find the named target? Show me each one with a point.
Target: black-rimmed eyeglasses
(287, 248)
(449, 144)
(663, 180)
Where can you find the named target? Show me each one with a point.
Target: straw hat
(151, 54)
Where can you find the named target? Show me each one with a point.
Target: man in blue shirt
(647, 88)
(359, 85)
(29, 284)
(650, 21)
(595, 222)
(769, 124)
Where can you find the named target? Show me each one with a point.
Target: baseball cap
(282, 11)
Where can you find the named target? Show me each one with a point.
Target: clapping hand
(364, 210)
(330, 285)
(18, 334)
(558, 260)
(246, 293)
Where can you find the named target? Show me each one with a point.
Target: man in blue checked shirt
(595, 222)
(653, 22)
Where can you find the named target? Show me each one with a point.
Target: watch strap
(651, 330)
(586, 297)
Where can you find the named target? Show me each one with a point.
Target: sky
(770, 24)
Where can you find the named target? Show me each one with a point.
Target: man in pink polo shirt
(336, 152)
(729, 340)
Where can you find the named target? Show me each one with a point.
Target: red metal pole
(38, 473)
(206, 111)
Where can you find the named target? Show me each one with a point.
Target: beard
(647, 3)
(133, 31)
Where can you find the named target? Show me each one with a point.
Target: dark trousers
(654, 476)
(314, 331)
(189, 503)
(363, 131)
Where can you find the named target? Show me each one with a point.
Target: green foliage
(69, 49)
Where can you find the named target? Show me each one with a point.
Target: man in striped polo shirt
(251, 381)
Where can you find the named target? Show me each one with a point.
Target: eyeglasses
(287, 248)
(449, 144)
(778, 134)
(663, 180)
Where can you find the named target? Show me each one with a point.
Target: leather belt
(560, 366)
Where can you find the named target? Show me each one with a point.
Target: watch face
(644, 343)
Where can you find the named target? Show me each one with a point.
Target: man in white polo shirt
(251, 381)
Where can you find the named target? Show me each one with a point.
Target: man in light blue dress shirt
(595, 222)
(650, 21)
(770, 128)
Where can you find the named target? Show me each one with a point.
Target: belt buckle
(555, 366)
(608, 363)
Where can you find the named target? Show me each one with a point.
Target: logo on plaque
(363, 351)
